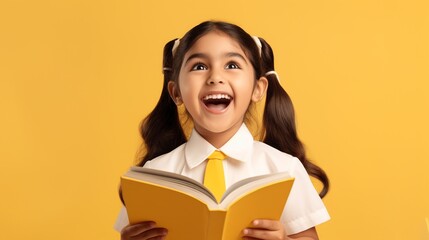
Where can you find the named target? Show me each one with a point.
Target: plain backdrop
(78, 76)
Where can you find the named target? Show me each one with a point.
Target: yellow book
(189, 211)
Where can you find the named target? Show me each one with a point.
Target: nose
(215, 78)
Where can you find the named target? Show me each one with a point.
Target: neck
(218, 139)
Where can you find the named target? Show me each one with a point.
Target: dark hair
(162, 131)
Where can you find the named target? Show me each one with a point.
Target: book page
(248, 184)
(174, 181)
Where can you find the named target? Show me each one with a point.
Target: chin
(215, 128)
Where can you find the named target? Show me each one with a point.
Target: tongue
(216, 107)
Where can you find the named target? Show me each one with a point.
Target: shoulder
(277, 160)
(171, 161)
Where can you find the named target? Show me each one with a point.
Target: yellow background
(77, 76)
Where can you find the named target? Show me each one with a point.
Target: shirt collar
(239, 147)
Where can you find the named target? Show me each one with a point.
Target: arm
(274, 230)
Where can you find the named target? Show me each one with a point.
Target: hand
(265, 229)
(143, 231)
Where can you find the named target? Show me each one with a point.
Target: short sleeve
(121, 220)
(304, 208)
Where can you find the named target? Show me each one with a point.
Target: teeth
(217, 96)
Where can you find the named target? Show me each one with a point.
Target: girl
(217, 71)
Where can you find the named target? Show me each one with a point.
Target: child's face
(217, 84)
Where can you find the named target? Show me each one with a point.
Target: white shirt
(246, 158)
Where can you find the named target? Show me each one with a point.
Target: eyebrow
(205, 56)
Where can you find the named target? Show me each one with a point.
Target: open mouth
(217, 102)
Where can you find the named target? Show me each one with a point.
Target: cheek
(188, 91)
(245, 88)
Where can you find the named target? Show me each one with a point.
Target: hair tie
(166, 69)
(273, 73)
(258, 44)
(176, 44)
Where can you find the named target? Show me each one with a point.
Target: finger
(138, 228)
(253, 233)
(267, 224)
(152, 234)
(158, 238)
(250, 238)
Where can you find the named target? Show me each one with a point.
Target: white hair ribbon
(176, 44)
(259, 44)
(273, 73)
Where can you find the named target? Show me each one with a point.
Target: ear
(174, 92)
(260, 89)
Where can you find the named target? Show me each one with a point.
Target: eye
(232, 65)
(199, 67)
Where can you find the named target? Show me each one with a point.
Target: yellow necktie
(214, 178)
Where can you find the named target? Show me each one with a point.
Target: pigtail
(161, 130)
(164, 119)
(279, 121)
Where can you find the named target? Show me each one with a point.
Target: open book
(190, 211)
